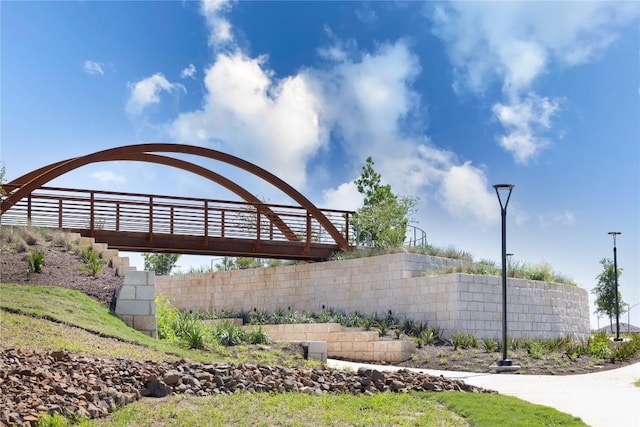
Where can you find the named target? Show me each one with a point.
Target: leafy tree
(160, 263)
(244, 263)
(2, 172)
(240, 263)
(383, 217)
(226, 264)
(605, 291)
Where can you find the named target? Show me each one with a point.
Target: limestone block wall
(342, 342)
(135, 302)
(454, 302)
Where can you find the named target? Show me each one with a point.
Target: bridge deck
(153, 223)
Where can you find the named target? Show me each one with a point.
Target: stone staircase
(345, 343)
(135, 300)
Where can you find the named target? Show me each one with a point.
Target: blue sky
(448, 99)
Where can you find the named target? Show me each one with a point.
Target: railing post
(29, 210)
(307, 246)
(150, 218)
(59, 213)
(206, 223)
(118, 216)
(171, 220)
(346, 227)
(91, 215)
(222, 223)
(270, 228)
(258, 225)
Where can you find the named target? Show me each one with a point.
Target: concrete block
(123, 270)
(86, 241)
(144, 323)
(133, 307)
(120, 262)
(145, 292)
(127, 319)
(127, 292)
(136, 278)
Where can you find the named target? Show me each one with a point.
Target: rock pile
(33, 383)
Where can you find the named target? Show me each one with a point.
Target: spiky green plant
(35, 261)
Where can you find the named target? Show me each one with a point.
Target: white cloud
(338, 50)
(564, 218)
(524, 120)
(375, 88)
(366, 15)
(147, 92)
(219, 27)
(465, 193)
(363, 99)
(515, 42)
(92, 67)
(108, 176)
(375, 91)
(189, 71)
(273, 122)
(344, 197)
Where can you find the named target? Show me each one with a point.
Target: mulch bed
(60, 269)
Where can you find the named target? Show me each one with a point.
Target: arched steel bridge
(161, 223)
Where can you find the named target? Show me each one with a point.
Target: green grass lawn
(46, 318)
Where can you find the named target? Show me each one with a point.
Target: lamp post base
(505, 362)
(505, 368)
(618, 339)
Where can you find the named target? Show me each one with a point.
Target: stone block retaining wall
(455, 302)
(135, 300)
(342, 342)
(136, 304)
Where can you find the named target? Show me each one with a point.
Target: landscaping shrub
(35, 261)
(257, 337)
(228, 335)
(190, 331)
(464, 341)
(598, 345)
(92, 260)
(166, 319)
(488, 344)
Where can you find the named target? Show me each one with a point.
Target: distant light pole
(503, 208)
(629, 316)
(615, 269)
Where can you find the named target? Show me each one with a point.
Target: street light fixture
(615, 268)
(505, 363)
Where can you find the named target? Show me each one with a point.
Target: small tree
(2, 172)
(226, 264)
(383, 217)
(605, 291)
(244, 263)
(160, 263)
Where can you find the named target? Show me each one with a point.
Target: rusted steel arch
(21, 180)
(181, 164)
(31, 182)
(217, 178)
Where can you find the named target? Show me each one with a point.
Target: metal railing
(414, 237)
(154, 214)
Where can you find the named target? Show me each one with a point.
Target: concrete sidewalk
(602, 399)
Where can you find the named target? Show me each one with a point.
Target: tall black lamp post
(505, 189)
(615, 269)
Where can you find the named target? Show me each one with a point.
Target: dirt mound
(61, 262)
